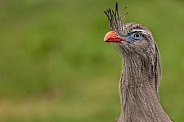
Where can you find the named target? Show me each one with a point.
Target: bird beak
(111, 36)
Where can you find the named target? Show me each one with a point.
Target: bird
(141, 70)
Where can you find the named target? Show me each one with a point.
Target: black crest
(115, 19)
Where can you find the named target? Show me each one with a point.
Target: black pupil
(136, 35)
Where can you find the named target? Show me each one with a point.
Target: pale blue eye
(136, 36)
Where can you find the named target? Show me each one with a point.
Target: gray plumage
(139, 82)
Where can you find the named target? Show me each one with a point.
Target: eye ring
(136, 36)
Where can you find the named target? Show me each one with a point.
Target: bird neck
(138, 91)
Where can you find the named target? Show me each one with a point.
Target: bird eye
(136, 36)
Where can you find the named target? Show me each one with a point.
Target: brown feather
(139, 81)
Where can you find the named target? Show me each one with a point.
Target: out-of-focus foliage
(55, 67)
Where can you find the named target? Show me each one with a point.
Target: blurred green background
(55, 67)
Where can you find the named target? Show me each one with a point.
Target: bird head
(134, 38)
(130, 38)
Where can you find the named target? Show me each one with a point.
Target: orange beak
(112, 37)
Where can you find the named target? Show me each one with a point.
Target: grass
(55, 66)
